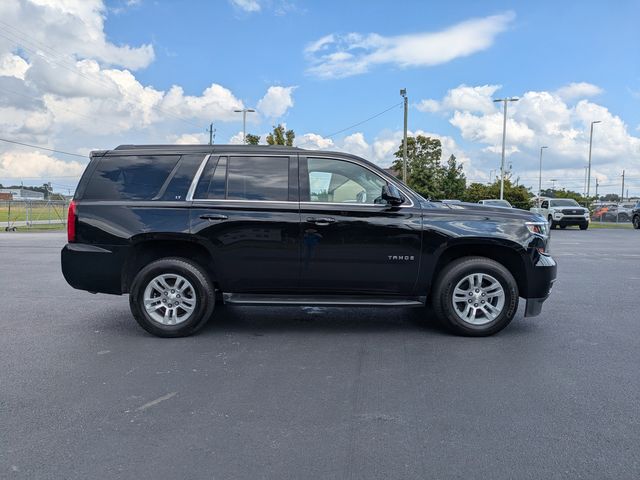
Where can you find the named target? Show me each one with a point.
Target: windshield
(564, 202)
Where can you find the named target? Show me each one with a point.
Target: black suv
(180, 228)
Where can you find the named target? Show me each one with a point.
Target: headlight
(539, 228)
(586, 214)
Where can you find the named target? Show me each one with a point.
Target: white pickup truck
(563, 212)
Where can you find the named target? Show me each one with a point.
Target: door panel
(256, 248)
(353, 242)
(247, 213)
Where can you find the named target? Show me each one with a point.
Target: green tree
(453, 181)
(281, 137)
(517, 195)
(423, 164)
(252, 139)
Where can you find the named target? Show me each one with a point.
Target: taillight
(71, 222)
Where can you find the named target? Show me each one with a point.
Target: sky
(79, 75)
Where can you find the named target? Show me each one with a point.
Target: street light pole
(504, 138)
(589, 168)
(403, 93)
(540, 177)
(244, 122)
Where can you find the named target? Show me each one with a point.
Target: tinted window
(212, 182)
(130, 177)
(337, 181)
(258, 178)
(182, 178)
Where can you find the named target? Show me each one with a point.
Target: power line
(359, 123)
(42, 148)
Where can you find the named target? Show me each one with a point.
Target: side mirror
(392, 195)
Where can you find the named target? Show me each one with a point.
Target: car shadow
(260, 320)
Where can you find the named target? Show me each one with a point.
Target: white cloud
(67, 87)
(314, 141)
(237, 139)
(542, 118)
(63, 30)
(36, 164)
(249, 6)
(463, 97)
(13, 66)
(276, 101)
(189, 139)
(578, 90)
(336, 56)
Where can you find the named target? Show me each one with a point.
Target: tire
(195, 305)
(584, 227)
(636, 222)
(552, 224)
(453, 279)
(562, 227)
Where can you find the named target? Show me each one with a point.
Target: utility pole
(597, 185)
(403, 93)
(504, 138)
(540, 177)
(590, 145)
(244, 112)
(584, 190)
(622, 193)
(212, 133)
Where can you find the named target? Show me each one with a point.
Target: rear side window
(258, 178)
(245, 178)
(130, 177)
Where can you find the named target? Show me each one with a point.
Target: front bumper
(571, 221)
(540, 281)
(93, 268)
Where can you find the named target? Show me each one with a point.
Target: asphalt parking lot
(321, 392)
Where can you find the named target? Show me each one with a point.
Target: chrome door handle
(321, 221)
(213, 216)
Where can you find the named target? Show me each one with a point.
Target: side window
(339, 181)
(131, 177)
(545, 204)
(258, 178)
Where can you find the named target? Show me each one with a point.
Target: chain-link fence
(33, 214)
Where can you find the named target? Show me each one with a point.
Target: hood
(465, 208)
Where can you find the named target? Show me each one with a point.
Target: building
(23, 194)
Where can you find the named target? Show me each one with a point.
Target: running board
(322, 300)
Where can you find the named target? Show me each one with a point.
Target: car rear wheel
(172, 297)
(636, 222)
(475, 296)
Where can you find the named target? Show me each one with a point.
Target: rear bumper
(540, 281)
(92, 268)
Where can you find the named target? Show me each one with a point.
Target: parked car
(178, 226)
(563, 212)
(635, 216)
(496, 203)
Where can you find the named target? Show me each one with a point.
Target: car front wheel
(475, 296)
(636, 222)
(172, 297)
